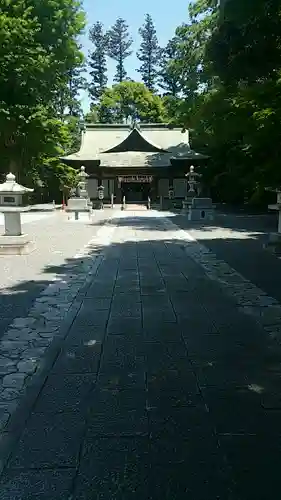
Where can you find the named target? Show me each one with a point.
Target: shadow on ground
(162, 389)
(242, 250)
(236, 238)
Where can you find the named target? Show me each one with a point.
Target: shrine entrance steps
(136, 207)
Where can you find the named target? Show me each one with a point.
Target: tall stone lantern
(193, 182)
(79, 200)
(13, 241)
(198, 209)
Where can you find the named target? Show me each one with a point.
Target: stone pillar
(12, 223)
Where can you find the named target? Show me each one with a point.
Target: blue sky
(166, 15)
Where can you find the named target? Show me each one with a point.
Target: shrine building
(139, 161)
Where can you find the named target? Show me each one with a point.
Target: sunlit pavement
(166, 385)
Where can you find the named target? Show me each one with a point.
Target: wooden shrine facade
(136, 162)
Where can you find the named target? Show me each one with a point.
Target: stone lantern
(192, 181)
(80, 203)
(82, 183)
(11, 204)
(198, 209)
(101, 195)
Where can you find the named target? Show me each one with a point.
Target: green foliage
(130, 100)
(149, 53)
(40, 79)
(231, 95)
(119, 45)
(54, 180)
(246, 44)
(169, 74)
(97, 62)
(93, 115)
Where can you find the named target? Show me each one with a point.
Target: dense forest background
(219, 77)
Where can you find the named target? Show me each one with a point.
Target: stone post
(275, 238)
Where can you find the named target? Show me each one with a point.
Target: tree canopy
(40, 60)
(230, 92)
(131, 100)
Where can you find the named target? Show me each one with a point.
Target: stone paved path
(163, 388)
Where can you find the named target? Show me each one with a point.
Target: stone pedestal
(79, 206)
(201, 210)
(185, 205)
(274, 239)
(277, 207)
(16, 245)
(13, 242)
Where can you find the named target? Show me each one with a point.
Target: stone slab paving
(164, 388)
(24, 277)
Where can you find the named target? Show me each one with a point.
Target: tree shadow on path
(183, 382)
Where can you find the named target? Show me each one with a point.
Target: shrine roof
(144, 144)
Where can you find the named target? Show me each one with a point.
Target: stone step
(135, 206)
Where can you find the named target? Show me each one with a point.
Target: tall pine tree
(169, 77)
(69, 95)
(97, 62)
(149, 53)
(118, 47)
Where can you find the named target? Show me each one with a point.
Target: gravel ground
(22, 278)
